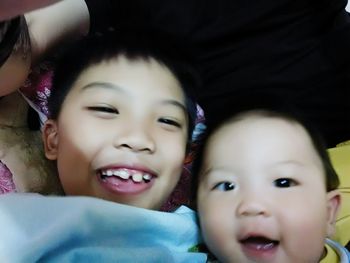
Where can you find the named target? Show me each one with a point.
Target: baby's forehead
(264, 134)
(254, 124)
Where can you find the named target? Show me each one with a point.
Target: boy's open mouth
(126, 174)
(126, 181)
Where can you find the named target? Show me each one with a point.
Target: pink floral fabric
(38, 86)
(6, 181)
(37, 90)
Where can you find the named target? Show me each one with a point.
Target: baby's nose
(253, 205)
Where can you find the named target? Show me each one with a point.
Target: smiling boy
(120, 119)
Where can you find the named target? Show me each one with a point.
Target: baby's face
(262, 194)
(121, 134)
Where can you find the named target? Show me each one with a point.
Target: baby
(267, 191)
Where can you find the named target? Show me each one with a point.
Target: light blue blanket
(35, 228)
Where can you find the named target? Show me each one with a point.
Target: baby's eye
(285, 182)
(170, 122)
(224, 186)
(104, 109)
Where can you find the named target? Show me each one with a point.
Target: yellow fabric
(340, 157)
(331, 256)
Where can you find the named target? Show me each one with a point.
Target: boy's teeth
(137, 177)
(147, 177)
(122, 174)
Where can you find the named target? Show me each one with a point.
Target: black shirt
(295, 50)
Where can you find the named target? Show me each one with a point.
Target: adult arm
(52, 25)
(48, 27)
(12, 8)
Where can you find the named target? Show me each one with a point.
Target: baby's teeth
(122, 174)
(137, 177)
(147, 177)
(109, 173)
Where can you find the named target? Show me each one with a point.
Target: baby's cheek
(219, 237)
(215, 224)
(304, 230)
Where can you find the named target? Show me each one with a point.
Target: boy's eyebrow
(177, 104)
(109, 85)
(102, 84)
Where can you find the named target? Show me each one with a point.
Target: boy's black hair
(132, 44)
(271, 108)
(14, 36)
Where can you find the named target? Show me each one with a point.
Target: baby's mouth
(259, 243)
(126, 174)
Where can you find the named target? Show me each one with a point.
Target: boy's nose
(136, 140)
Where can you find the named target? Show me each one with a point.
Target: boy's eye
(224, 186)
(285, 182)
(170, 122)
(105, 109)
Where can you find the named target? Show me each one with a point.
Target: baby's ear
(50, 139)
(333, 205)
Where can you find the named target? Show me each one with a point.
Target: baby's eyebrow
(288, 162)
(209, 171)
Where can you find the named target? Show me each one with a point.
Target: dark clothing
(297, 50)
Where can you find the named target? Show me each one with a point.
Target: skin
(12, 8)
(263, 178)
(126, 115)
(14, 72)
(44, 15)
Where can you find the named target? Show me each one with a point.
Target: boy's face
(121, 134)
(262, 194)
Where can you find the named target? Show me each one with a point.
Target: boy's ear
(50, 139)
(333, 205)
